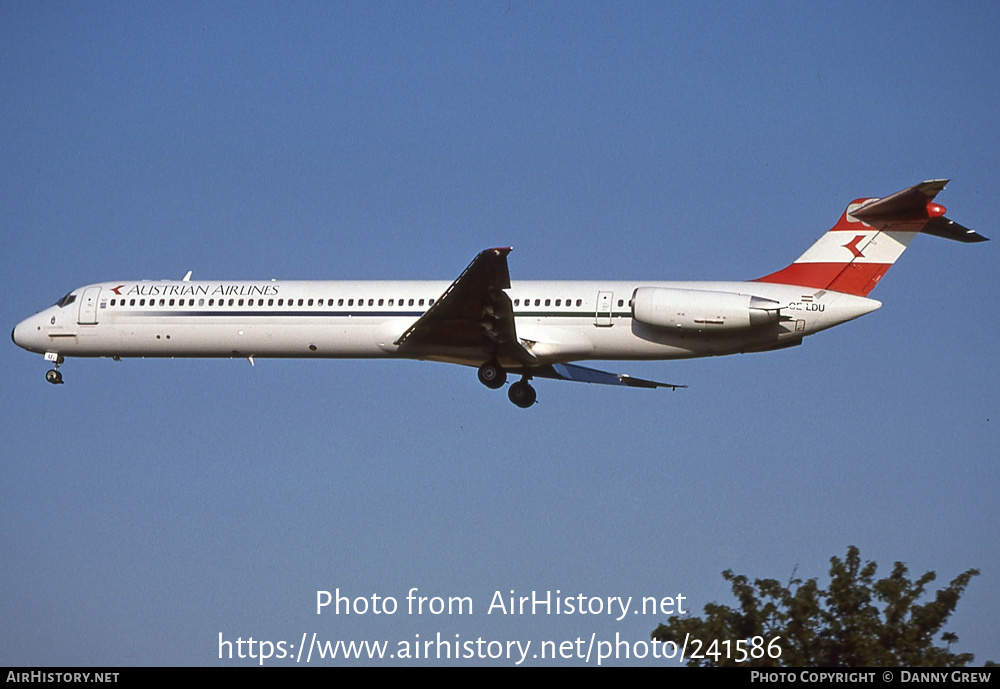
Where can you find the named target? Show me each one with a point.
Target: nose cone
(28, 334)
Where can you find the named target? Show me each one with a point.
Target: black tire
(522, 394)
(54, 377)
(492, 375)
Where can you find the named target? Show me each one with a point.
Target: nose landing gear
(54, 376)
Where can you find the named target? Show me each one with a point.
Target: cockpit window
(66, 301)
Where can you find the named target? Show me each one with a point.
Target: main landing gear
(493, 376)
(522, 394)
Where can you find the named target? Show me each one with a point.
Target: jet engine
(701, 310)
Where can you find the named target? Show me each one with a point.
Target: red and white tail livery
(871, 234)
(530, 329)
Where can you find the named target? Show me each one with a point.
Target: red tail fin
(871, 234)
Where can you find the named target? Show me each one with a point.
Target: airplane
(531, 329)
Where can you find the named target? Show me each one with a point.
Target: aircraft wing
(583, 374)
(473, 313)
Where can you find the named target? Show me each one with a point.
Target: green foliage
(857, 622)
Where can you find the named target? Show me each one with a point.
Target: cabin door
(88, 306)
(602, 317)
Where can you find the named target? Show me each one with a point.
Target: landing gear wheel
(492, 375)
(54, 377)
(522, 394)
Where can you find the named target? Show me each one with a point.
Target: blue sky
(148, 506)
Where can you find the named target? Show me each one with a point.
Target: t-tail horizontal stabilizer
(582, 374)
(915, 205)
(870, 235)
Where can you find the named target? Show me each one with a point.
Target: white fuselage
(556, 321)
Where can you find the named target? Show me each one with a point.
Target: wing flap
(582, 374)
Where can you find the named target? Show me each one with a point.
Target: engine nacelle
(701, 310)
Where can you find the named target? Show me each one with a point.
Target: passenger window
(411, 302)
(381, 301)
(421, 302)
(340, 302)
